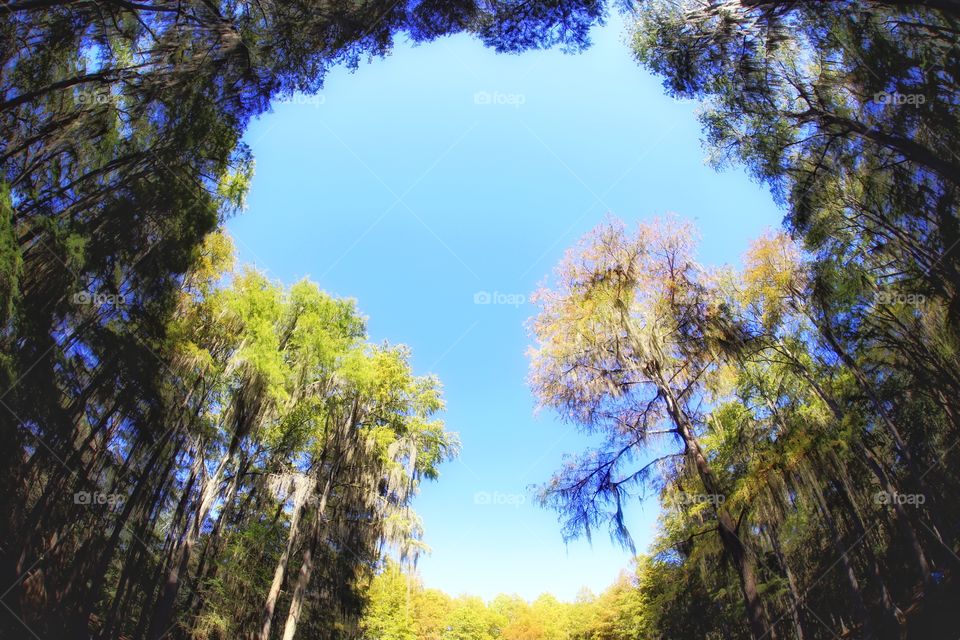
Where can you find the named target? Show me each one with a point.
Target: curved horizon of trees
(194, 451)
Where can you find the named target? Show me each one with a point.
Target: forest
(195, 450)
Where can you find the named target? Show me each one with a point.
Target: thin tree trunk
(895, 617)
(796, 600)
(877, 468)
(856, 592)
(902, 448)
(179, 555)
(306, 567)
(280, 572)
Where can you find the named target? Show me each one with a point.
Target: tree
(388, 615)
(625, 343)
(471, 620)
(844, 114)
(294, 440)
(787, 442)
(431, 609)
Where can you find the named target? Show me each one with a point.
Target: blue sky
(445, 172)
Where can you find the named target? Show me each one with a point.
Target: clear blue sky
(446, 170)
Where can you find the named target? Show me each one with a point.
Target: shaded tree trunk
(740, 555)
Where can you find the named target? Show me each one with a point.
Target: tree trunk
(741, 556)
(894, 617)
(279, 573)
(856, 592)
(180, 554)
(796, 600)
(306, 567)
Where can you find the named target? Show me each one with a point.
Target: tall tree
(625, 344)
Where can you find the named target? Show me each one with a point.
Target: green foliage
(803, 380)
(388, 615)
(11, 262)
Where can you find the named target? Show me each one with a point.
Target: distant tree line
(401, 608)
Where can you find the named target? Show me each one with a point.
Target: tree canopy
(195, 451)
